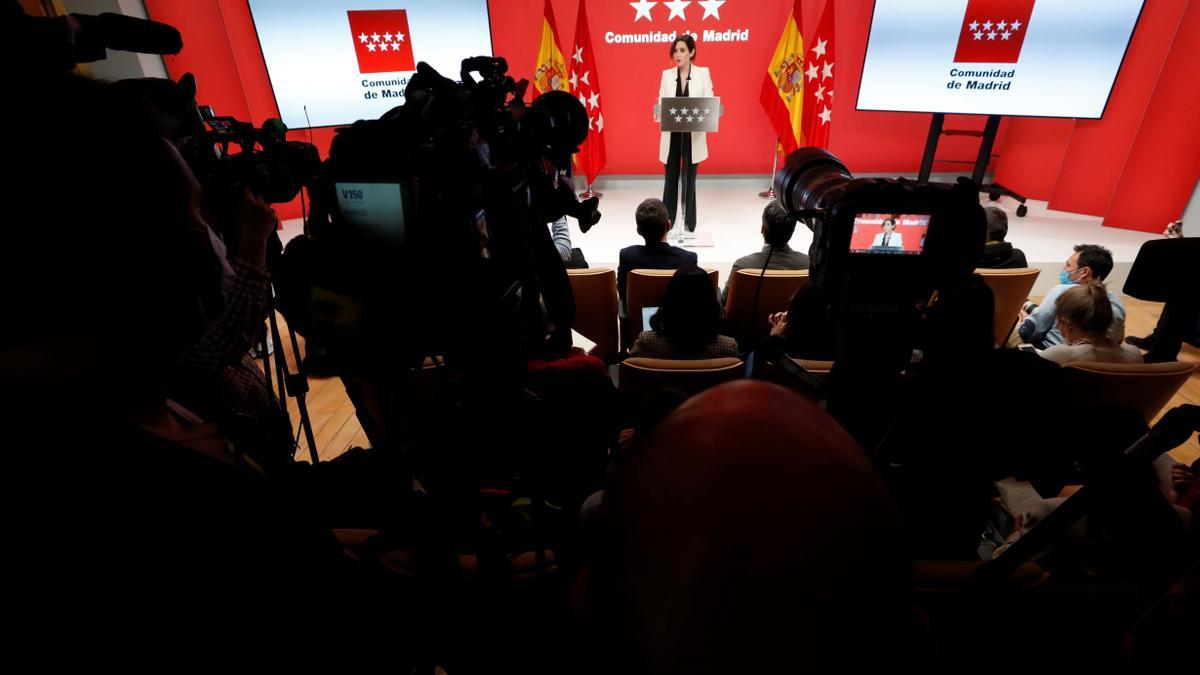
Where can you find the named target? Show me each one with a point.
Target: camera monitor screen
(375, 209)
(1040, 58)
(337, 61)
(889, 233)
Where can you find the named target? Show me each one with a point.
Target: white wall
(119, 65)
(1191, 214)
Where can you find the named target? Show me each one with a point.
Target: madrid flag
(818, 83)
(585, 81)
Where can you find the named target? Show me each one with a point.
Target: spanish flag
(551, 71)
(783, 87)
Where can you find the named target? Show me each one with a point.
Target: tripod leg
(266, 361)
(280, 361)
(300, 391)
(294, 385)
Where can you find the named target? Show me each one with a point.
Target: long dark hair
(690, 315)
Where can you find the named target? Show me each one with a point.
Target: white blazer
(699, 85)
(894, 241)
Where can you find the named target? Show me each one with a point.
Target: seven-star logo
(382, 42)
(677, 9)
(993, 31)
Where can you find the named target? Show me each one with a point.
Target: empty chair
(1011, 288)
(691, 376)
(1142, 387)
(769, 372)
(596, 308)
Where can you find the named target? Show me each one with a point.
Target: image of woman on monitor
(889, 238)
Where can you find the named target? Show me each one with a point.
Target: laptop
(647, 312)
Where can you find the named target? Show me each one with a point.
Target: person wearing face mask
(1084, 315)
(682, 152)
(1088, 263)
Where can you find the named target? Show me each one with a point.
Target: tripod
(285, 382)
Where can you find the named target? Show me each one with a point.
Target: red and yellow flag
(783, 87)
(551, 70)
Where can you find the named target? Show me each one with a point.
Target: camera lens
(807, 176)
(560, 125)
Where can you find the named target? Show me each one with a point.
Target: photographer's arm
(233, 333)
(1035, 325)
(560, 232)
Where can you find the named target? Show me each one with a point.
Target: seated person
(1088, 263)
(804, 331)
(997, 253)
(1084, 316)
(688, 323)
(777, 230)
(656, 254)
(889, 238)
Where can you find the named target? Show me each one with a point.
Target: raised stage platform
(730, 212)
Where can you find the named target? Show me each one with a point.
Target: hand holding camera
(254, 221)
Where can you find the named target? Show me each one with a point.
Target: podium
(686, 113)
(689, 114)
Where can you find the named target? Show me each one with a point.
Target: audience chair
(641, 375)
(776, 375)
(645, 288)
(745, 321)
(1142, 387)
(595, 292)
(1011, 289)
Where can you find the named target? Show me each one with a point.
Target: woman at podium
(681, 152)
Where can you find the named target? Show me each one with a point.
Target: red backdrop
(1081, 166)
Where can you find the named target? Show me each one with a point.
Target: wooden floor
(335, 426)
(337, 429)
(1140, 319)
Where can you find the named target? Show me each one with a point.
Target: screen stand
(994, 190)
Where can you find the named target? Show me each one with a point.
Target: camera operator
(216, 375)
(117, 279)
(1162, 273)
(560, 232)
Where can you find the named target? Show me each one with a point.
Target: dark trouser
(1177, 323)
(680, 157)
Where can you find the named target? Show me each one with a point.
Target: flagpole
(769, 193)
(589, 193)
